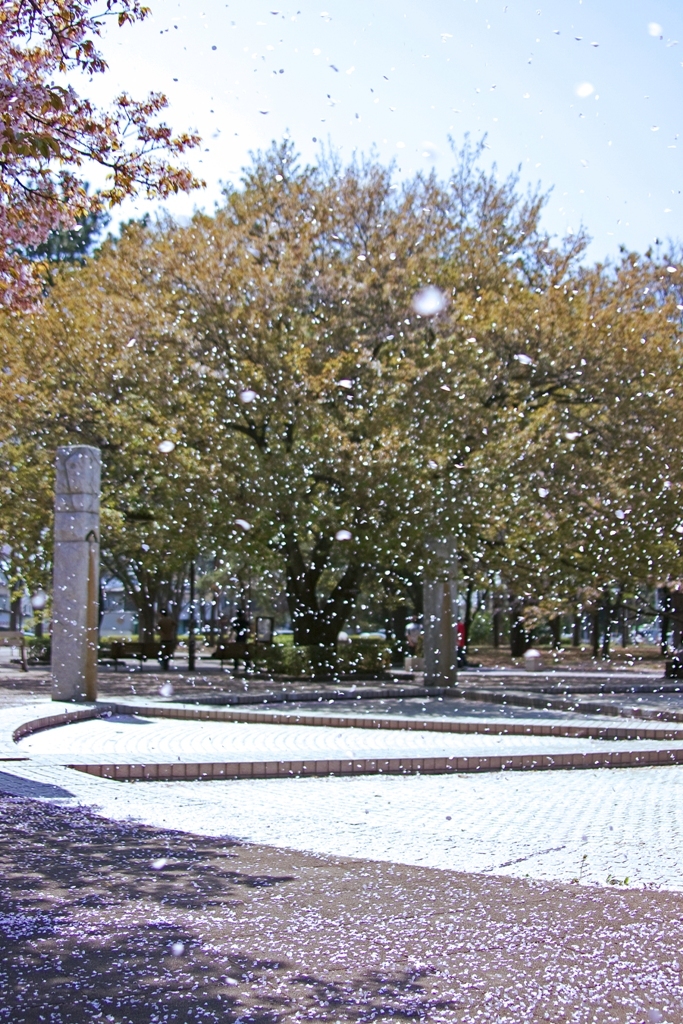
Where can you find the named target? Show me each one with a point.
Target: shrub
(287, 659)
(38, 649)
(481, 629)
(364, 655)
(360, 656)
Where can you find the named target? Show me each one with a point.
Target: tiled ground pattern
(105, 921)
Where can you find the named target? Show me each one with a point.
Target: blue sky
(585, 95)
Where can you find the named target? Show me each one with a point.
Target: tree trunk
(607, 626)
(576, 629)
(313, 625)
(556, 632)
(205, 617)
(664, 608)
(468, 613)
(519, 638)
(416, 592)
(146, 623)
(15, 615)
(496, 625)
(623, 620)
(396, 623)
(317, 620)
(625, 629)
(145, 595)
(676, 603)
(595, 632)
(212, 621)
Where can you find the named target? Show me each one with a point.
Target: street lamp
(38, 602)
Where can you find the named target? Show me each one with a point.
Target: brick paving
(117, 922)
(114, 920)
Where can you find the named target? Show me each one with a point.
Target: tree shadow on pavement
(111, 921)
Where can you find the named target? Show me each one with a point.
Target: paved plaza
(495, 898)
(112, 921)
(605, 827)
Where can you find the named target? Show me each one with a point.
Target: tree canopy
(331, 369)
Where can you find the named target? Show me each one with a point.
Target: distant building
(8, 618)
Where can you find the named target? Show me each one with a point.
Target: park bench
(231, 650)
(142, 650)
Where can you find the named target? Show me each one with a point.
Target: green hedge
(38, 650)
(287, 660)
(359, 656)
(364, 655)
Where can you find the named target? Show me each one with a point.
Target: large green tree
(337, 400)
(347, 367)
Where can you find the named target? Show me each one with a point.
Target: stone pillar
(441, 620)
(75, 602)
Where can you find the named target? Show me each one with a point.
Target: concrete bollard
(441, 633)
(533, 660)
(75, 602)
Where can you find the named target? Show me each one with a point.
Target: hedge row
(359, 656)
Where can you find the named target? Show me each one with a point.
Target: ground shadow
(107, 921)
(14, 785)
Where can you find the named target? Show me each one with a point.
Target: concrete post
(75, 603)
(441, 621)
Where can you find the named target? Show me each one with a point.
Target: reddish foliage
(49, 134)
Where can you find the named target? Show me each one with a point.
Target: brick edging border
(453, 725)
(52, 721)
(379, 766)
(365, 766)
